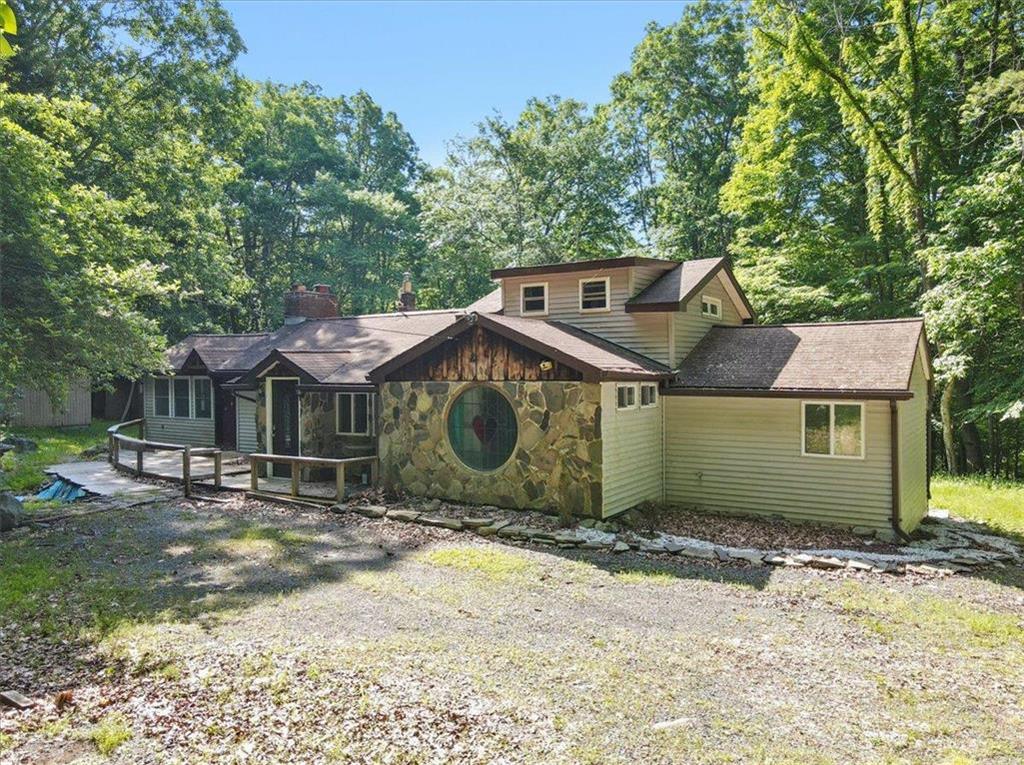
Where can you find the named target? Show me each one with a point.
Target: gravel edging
(954, 546)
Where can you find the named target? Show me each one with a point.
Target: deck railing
(118, 441)
(297, 463)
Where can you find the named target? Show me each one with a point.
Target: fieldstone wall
(556, 465)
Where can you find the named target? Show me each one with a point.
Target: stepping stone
(475, 523)
(620, 547)
(510, 531)
(445, 523)
(371, 511)
(408, 516)
(15, 699)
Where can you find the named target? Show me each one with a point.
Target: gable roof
(489, 303)
(673, 290)
(216, 352)
(868, 359)
(596, 358)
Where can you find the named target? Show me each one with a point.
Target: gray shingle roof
(585, 348)
(875, 356)
(489, 303)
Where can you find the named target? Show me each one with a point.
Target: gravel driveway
(192, 631)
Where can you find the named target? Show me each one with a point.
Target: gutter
(894, 468)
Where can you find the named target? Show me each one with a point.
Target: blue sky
(442, 66)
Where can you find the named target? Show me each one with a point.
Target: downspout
(894, 468)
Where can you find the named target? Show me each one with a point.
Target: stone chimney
(406, 297)
(301, 304)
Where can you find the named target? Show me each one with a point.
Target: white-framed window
(533, 299)
(162, 397)
(648, 395)
(832, 429)
(353, 414)
(710, 307)
(625, 396)
(184, 398)
(595, 294)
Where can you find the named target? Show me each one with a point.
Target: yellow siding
(632, 453)
(175, 430)
(691, 326)
(744, 455)
(912, 417)
(645, 333)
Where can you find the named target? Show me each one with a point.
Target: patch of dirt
(761, 533)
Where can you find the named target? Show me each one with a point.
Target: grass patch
(112, 731)
(997, 503)
(261, 540)
(24, 472)
(644, 576)
(6, 741)
(495, 564)
(887, 614)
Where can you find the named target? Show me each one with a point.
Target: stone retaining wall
(556, 464)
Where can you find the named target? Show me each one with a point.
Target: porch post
(186, 470)
(216, 469)
(295, 479)
(254, 478)
(339, 478)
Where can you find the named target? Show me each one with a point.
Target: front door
(284, 421)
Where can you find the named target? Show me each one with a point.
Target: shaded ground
(195, 631)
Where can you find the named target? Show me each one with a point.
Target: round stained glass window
(482, 428)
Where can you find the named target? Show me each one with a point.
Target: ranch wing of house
(590, 386)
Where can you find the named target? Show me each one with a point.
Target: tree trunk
(948, 438)
(974, 452)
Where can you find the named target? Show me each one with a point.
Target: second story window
(710, 307)
(533, 299)
(594, 294)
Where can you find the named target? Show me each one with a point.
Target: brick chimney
(406, 297)
(301, 304)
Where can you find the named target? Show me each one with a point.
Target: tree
(677, 113)
(548, 188)
(8, 26)
(73, 265)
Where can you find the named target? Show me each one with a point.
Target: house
(589, 386)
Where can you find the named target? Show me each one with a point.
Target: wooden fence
(297, 463)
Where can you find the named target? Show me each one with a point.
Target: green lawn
(24, 472)
(997, 503)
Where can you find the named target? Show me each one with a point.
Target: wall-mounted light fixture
(546, 366)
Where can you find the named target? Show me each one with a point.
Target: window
(833, 429)
(182, 397)
(162, 397)
(203, 393)
(710, 307)
(533, 299)
(353, 414)
(482, 428)
(648, 395)
(625, 396)
(594, 294)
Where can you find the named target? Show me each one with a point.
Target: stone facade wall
(556, 465)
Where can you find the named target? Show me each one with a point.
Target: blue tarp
(62, 491)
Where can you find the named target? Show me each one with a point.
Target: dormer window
(533, 299)
(594, 295)
(710, 307)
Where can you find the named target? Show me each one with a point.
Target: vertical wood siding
(912, 418)
(245, 416)
(743, 455)
(691, 326)
(645, 333)
(175, 430)
(33, 408)
(632, 453)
